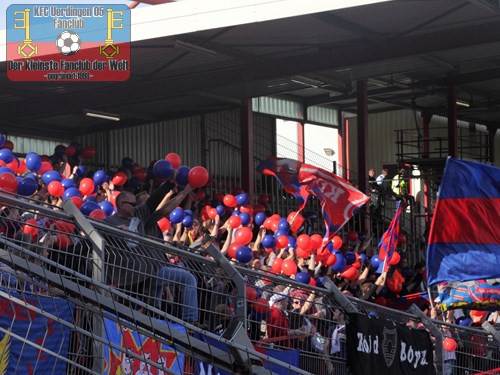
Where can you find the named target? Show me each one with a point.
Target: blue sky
(4, 4)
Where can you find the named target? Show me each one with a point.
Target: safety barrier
(116, 300)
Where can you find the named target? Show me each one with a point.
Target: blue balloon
(33, 162)
(283, 225)
(260, 218)
(340, 263)
(81, 171)
(182, 175)
(236, 213)
(68, 183)
(188, 213)
(245, 218)
(91, 198)
(380, 268)
(350, 257)
(107, 207)
(71, 192)
(242, 199)
(363, 257)
(88, 207)
(6, 155)
(27, 186)
(269, 241)
(303, 277)
(50, 176)
(6, 170)
(375, 261)
(176, 216)
(2, 139)
(100, 177)
(466, 322)
(244, 254)
(330, 248)
(163, 169)
(292, 242)
(373, 314)
(220, 209)
(319, 282)
(280, 232)
(187, 222)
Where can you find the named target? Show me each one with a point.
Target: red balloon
(316, 241)
(248, 208)
(243, 235)
(87, 152)
(97, 214)
(31, 227)
(352, 235)
(119, 179)
(233, 248)
(45, 167)
(44, 158)
(141, 174)
(289, 267)
(77, 201)
(268, 223)
(251, 294)
(381, 301)
(86, 186)
(258, 208)
(230, 201)
(312, 282)
(331, 260)
(304, 241)
(234, 221)
(395, 259)
(394, 285)
(164, 224)
(8, 182)
(302, 253)
(350, 273)
(449, 344)
(174, 159)
(261, 305)
(8, 144)
(277, 265)
(64, 226)
(274, 225)
(56, 189)
(282, 242)
(14, 165)
(198, 177)
(212, 213)
(62, 241)
(22, 167)
(337, 242)
(70, 151)
(298, 220)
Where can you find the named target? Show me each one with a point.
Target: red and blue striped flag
(389, 241)
(464, 239)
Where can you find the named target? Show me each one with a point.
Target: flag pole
(430, 297)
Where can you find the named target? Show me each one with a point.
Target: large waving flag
(338, 198)
(389, 240)
(464, 240)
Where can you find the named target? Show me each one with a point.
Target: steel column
(246, 139)
(362, 112)
(452, 120)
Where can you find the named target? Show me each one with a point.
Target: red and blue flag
(389, 240)
(339, 199)
(464, 240)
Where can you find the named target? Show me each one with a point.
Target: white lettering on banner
(410, 354)
(366, 344)
(329, 190)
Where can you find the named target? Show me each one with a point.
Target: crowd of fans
(167, 201)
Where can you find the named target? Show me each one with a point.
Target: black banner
(376, 346)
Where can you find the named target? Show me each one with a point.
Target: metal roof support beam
(452, 119)
(247, 146)
(362, 112)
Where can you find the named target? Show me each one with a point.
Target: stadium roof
(196, 56)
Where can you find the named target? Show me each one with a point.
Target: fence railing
(143, 307)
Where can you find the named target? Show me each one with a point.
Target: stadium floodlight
(101, 115)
